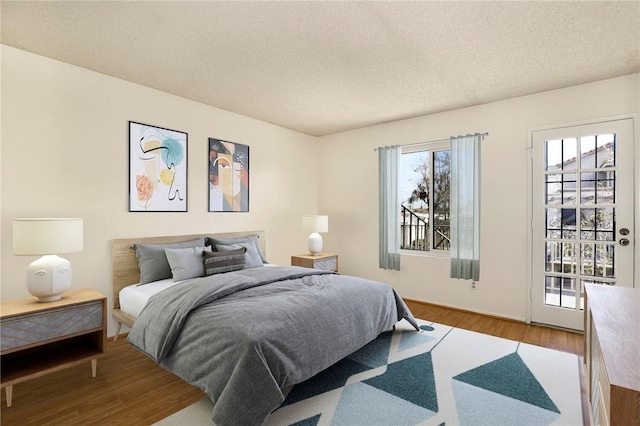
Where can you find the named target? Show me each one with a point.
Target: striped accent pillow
(224, 261)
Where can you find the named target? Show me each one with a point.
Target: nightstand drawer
(328, 264)
(29, 329)
(324, 261)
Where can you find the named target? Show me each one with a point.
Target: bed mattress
(134, 297)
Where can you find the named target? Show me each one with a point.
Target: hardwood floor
(562, 340)
(130, 389)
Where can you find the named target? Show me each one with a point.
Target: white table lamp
(315, 224)
(49, 276)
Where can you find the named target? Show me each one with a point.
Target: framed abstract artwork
(228, 176)
(157, 169)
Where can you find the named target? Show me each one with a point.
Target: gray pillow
(186, 262)
(251, 257)
(152, 259)
(213, 242)
(223, 261)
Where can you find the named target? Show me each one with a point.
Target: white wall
(65, 154)
(348, 192)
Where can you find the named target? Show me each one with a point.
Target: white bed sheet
(134, 297)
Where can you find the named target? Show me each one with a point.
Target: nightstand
(324, 261)
(40, 338)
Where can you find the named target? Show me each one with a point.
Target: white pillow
(252, 257)
(186, 263)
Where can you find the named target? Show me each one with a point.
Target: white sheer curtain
(388, 166)
(465, 207)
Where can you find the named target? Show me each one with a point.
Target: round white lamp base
(315, 243)
(48, 277)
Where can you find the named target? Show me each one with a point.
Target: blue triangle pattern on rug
(410, 339)
(392, 381)
(375, 353)
(477, 406)
(325, 381)
(311, 421)
(509, 376)
(411, 379)
(361, 404)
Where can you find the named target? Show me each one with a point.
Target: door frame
(635, 117)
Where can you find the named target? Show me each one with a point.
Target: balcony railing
(415, 232)
(443, 237)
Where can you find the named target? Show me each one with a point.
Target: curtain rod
(434, 141)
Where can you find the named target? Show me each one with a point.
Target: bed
(247, 335)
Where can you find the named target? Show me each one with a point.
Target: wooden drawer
(324, 261)
(601, 419)
(35, 328)
(605, 387)
(328, 264)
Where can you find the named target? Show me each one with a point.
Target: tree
(441, 161)
(441, 187)
(420, 193)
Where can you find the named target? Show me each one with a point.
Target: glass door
(582, 216)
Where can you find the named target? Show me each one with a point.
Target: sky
(408, 177)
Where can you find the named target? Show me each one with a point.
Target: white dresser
(612, 354)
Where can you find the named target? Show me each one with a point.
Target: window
(424, 197)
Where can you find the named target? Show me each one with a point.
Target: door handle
(624, 242)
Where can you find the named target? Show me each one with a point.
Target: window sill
(438, 254)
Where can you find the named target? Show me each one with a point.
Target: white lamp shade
(40, 236)
(315, 223)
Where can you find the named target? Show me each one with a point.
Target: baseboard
(468, 311)
(557, 327)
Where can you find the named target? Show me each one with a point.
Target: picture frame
(157, 169)
(228, 176)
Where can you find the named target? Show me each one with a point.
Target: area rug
(438, 376)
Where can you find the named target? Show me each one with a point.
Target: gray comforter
(243, 337)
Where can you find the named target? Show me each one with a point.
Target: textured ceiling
(325, 67)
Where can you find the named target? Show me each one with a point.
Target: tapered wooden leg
(9, 391)
(94, 367)
(118, 327)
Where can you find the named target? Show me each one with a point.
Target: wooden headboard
(125, 263)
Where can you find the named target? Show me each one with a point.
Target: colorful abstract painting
(157, 169)
(228, 176)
